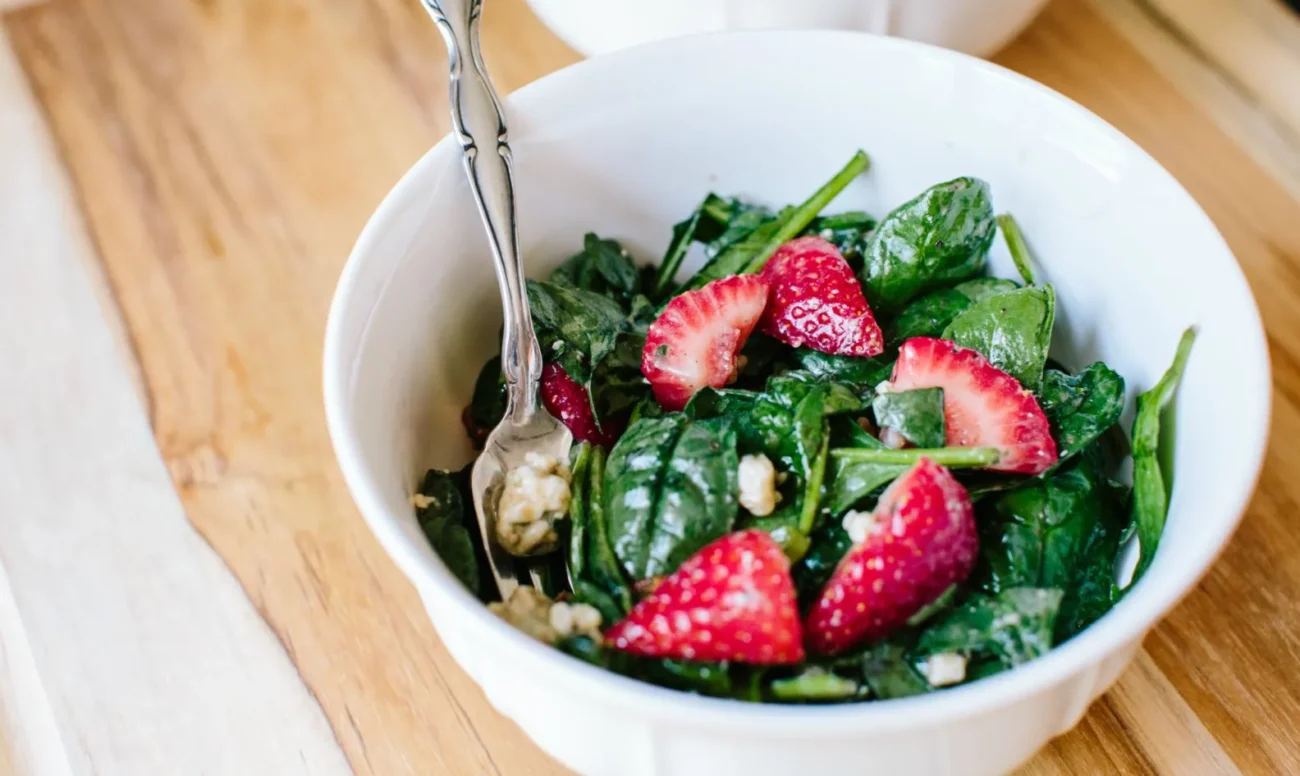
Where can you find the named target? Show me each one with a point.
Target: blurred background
(185, 585)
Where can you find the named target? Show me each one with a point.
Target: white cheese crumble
(535, 495)
(529, 610)
(420, 501)
(858, 524)
(757, 478)
(892, 439)
(944, 669)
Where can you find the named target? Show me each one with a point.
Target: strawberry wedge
(816, 301)
(918, 542)
(732, 600)
(982, 405)
(569, 402)
(694, 342)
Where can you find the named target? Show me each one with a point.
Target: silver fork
(480, 126)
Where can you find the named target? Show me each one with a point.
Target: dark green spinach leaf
(929, 315)
(446, 523)
(1014, 626)
(488, 404)
(1150, 491)
(1081, 407)
(670, 489)
(916, 415)
(888, 672)
(827, 547)
(602, 564)
(750, 253)
(861, 374)
(575, 327)
(1013, 330)
(939, 238)
(602, 267)
(849, 232)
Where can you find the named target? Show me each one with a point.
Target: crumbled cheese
(535, 495)
(892, 439)
(757, 478)
(858, 524)
(529, 610)
(421, 501)
(944, 669)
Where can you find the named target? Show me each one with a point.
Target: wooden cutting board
(223, 155)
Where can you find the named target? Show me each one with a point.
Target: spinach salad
(836, 463)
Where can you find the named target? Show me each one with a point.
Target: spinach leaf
(671, 488)
(1150, 492)
(579, 491)
(917, 415)
(1081, 407)
(936, 606)
(863, 374)
(575, 327)
(446, 524)
(601, 563)
(617, 384)
(1093, 591)
(706, 678)
(720, 403)
(708, 222)
(929, 315)
(849, 232)
(852, 481)
(815, 684)
(488, 404)
(602, 267)
(751, 253)
(939, 238)
(888, 672)
(1014, 330)
(1014, 626)
(1035, 536)
(611, 609)
(827, 547)
(1017, 247)
(634, 479)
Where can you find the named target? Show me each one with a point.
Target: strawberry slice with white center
(732, 600)
(816, 300)
(982, 405)
(919, 541)
(694, 342)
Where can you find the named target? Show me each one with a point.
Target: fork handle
(480, 126)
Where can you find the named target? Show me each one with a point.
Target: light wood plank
(1253, 102)
(125, 645)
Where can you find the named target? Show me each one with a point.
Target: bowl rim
(1125, 623)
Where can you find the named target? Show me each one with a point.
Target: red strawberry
(732, 600)
(695, 340)
(816, 301)
(568, 401)
(920, 540)
(982, 405)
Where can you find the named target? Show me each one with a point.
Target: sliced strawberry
(695, 340)
(982, 405)
(918, 542)
(816, 301)
(732, 600)
(568, 401)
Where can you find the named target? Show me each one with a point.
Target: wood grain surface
(225, 155)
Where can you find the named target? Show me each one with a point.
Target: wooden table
(185, 585)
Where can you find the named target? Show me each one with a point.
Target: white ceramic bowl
(1133, 258)
(979, 27)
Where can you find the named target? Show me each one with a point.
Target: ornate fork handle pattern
(480, 126)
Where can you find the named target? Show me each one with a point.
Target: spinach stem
(683, 234)
(947, 456)
(808, 210)
(812, 494)
(1017, 246)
